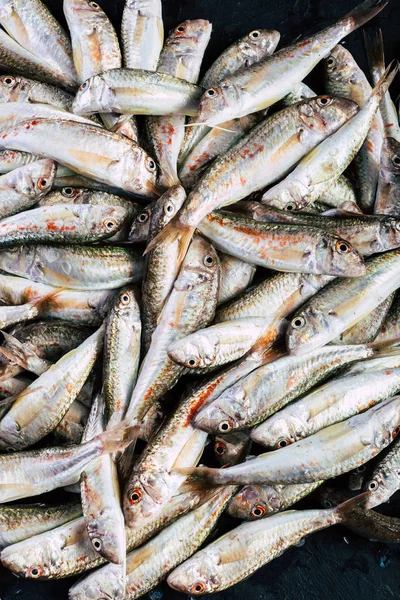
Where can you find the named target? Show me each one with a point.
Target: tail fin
(383, 348)
(344, 510)
(21, 355)
(364, 12)
(118, 438)
(172, 232)
(198, 478)
(385, 81)
(375, 55)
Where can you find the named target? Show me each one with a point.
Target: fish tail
(16, 352)
(172, 232)
(364, 12)
(344, 511)
(118, 438)
(385, 81)
(198, 478)
(383, 348)
(375, 53)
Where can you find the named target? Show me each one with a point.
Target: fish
(282, 247)
(34, 27)
(388, 192)
(148, 565)
(12, 113)
(272, 386)
(62, 223)
(18, 523)
(162, 264)
(344, 77)
(316, 172)
(40, 407)
(269, 151)
(368, 234)
(142, 33)
(218, 344)
(239, 553)
(181, 57)
(236, 277)
(254, 502)
(137, 92)
(269, 80)
(343, 303)
(334, 401)
(22, 188)
(139, 231)
(232, 448)
(75, 267)
(384, 480)
(16, 88)
(121, 353)
(328, 453)
(90, 151)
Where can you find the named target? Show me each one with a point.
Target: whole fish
(216, 345)
(22, 188)
(334, 450)
(278, 295)
(142, 33)
(384, 480)
(148, 565)
(232, 448)
(243, 53)
(282, 247)
(88, 150)
(366, 330)
(100, 496)
(34, 27)
(18, 523)
(190, 305)
(343, 303)
(236, 276)
(121, 353)
(33, 472)
(16, 88)
(344, 77)
(367, 523)
(239, 553)
(272, 78)
(181, 57)
(36, 411)
(62, 223)
(388, 193)
(75, 267)
(270, 387)
(257, 501)
(367, 234)
(315, 174)
(137, 92)
(339, 399)
(162, 263)
(266, 153)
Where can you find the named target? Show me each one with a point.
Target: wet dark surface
(334, 564)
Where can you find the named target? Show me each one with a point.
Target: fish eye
(94, 5)
(397, 225)
(396, 431)
(298, 322)
(110, 224)
(220, 448)
(225, 426)
(282, 443)
(134, 496)
(324, 101)
(254, 35)
(291, 206)
(125, 298)
(192, 362)
(169, 208)
(257, 511)
(143, 217)
(327, 503)
(343, 247)
(9, 80)
(208, 260)
(180, 29)
(360, 469)
(211, 92)
(151, 165)
(42, 183)
(69, 192)
(373, 485)
(331, 61)
(84, 85)
(198, 588)
(35, 572)
(396, 160)
(97, 544)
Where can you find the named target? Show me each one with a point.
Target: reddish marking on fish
(52, 226)
(304, 43)
(389, 124)
(3, 137)
(242, 180)
(370, 146)
(247, 153)
(201, 399)
(33, 123)
(389, 372)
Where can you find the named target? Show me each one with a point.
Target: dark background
(333, 564)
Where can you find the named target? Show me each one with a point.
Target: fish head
(325, 114)
(126, 303)
(255, 501)
(310, 329)
(35, 558)
(390, 158)
(336, 256)
(196, 576)
(139, 172)
(68, 195)
(389, 235)
(223, 415)
(140, 225)
(219, 104)
(382, 485)
(33, 180)
(145, 495)
(194, 352)
(187, 36)
(92, 96)
(258, 44)
(200, 267)
(342, 73)
(286, 195)
(107, 535)
(101, 219)
(330, 497)
(166, 207)
(14, 88)
(107, 583)
(278, 432)
(231, 449)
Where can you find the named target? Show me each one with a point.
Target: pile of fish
(137, 204)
